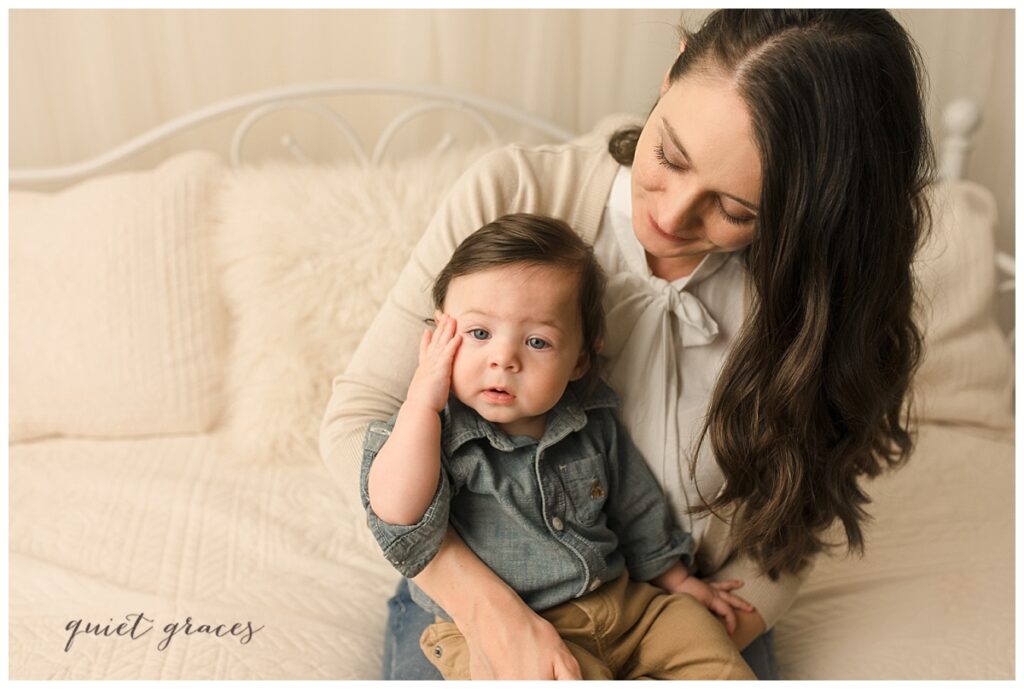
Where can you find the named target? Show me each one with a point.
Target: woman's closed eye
(659, 153)
(734, 219)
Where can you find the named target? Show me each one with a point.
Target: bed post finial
(961, 118)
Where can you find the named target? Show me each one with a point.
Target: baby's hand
(718, 597)
(433, 377)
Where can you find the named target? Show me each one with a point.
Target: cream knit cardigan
(571, 182)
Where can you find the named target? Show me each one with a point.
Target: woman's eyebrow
(678, 144)
(689, 161)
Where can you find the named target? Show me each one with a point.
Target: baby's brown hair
(535, 240)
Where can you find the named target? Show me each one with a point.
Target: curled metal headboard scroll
(389, 132)
(287, 140)
(355, 143)
(263, 102)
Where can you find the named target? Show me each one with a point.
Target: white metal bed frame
(296, 97)
(961, 119)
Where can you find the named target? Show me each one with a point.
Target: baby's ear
(582, 366)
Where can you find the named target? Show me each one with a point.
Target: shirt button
(557, 524)
(594, 584)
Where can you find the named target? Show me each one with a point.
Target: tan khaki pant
(624, 630)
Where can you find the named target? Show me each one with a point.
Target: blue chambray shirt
(553, 518)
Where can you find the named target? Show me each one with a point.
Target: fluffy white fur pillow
(308, 255)
(116, 326)
(967, 373)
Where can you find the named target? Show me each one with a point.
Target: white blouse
(665, 345)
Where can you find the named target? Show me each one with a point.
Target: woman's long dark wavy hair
(815, 394)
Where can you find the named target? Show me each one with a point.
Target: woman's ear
(665, 83)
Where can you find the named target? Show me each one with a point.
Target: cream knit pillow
(966, 376)
(116, 326)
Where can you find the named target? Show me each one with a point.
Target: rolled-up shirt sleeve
(408, 547)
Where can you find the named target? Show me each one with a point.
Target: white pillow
(116, 325)
(967, 373)
(308, 255)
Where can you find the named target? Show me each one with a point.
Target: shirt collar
(462, 424)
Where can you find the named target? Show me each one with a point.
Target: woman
(758, 231)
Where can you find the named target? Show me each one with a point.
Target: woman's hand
(433, 377)
(507, 640)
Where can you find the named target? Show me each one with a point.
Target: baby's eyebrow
(549, 323)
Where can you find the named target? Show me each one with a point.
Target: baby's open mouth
(499, 394)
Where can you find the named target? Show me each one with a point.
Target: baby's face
(522, 342)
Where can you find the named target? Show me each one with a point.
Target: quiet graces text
(137, 625)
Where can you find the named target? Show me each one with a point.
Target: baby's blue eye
(479, 334)
(537, 343)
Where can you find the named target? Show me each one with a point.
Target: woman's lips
(496, 396)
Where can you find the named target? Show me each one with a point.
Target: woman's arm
(749, 626)
(507, 640)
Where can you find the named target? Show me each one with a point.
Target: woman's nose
(679, 208)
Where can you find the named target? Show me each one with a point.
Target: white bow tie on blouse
(649, 322)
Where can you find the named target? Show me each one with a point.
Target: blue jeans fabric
(403, 659)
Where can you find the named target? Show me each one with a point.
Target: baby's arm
(403, 478)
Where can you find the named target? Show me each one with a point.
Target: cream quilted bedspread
(179, 528)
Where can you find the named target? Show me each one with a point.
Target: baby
(508, 433)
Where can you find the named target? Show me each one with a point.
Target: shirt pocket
(586, 486)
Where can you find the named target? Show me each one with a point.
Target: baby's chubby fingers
(440, 345)
(734, 600)
(425, 344)
(444, 332)
(727, 585)
(724, 611)
(738, 603)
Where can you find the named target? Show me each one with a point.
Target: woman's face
(696, 180)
